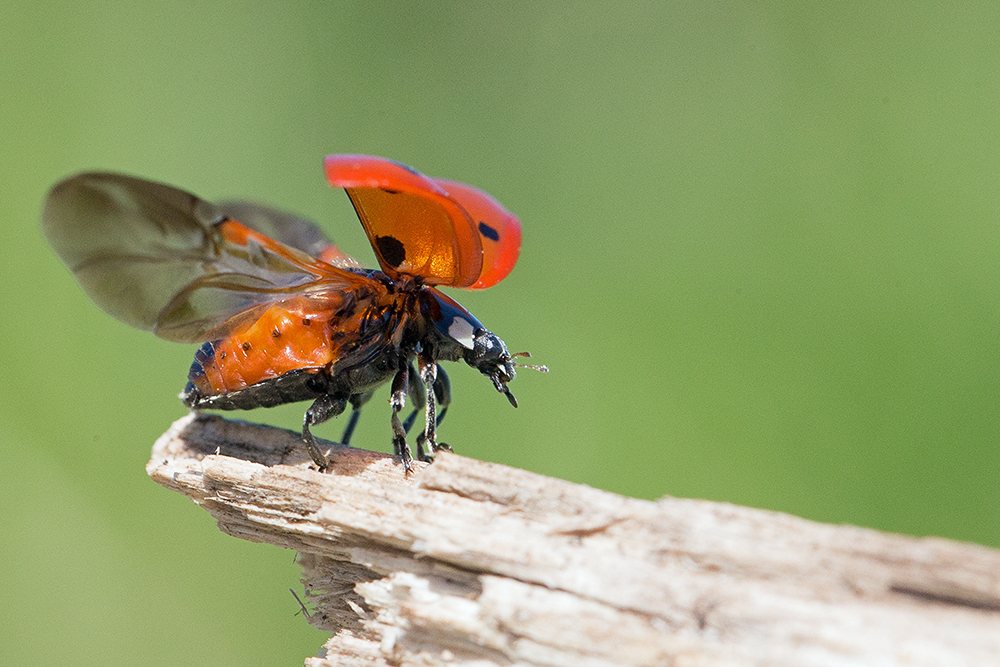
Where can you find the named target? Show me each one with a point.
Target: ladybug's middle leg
(397, 400)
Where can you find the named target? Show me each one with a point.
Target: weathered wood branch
(466, 562)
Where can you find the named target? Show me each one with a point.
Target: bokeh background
(760, 257)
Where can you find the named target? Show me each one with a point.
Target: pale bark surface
(472, 563)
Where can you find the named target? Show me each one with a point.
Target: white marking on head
(461, 330)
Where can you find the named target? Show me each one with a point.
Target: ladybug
(283, 314)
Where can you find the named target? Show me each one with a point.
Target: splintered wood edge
(467, 562)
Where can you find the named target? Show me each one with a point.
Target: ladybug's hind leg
(323, 408)
(356, 402)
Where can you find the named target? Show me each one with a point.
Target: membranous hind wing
(162, 260)
(289, 229)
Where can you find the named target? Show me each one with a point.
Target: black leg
(416, 396)
(357, 401)
(442, 392)
(323, 408)
(428, 375)
(397, 400)
(410, 418)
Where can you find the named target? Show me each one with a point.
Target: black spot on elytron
(275, 333)
(391, 192)
(391, 250)
(306, 322)
(223, 355)
(246, 347)
(488, 232)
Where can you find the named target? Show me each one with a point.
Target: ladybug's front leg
(441, 392)
(429, 370)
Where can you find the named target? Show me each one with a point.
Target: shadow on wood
(469, 562)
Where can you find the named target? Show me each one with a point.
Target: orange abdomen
(277, 343)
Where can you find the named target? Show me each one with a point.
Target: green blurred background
(760, 256)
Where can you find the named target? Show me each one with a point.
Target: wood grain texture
(473, 563)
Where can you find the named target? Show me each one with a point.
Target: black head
(490, 357)
(459, 335)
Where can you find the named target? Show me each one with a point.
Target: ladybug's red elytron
(284, 315)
